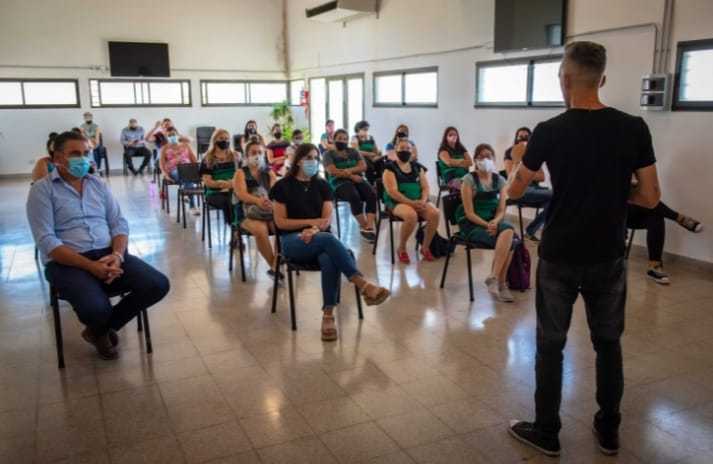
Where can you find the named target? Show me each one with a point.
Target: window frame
(289, 89)
(247, 83)
(24, 106)
(344, 78)
(403, 73)
(681, 48)
(140, 105)
(530, 62)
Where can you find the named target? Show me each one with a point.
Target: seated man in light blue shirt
(132, 138)
(82, 237)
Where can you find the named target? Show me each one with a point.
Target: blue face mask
(310, 167)
(173, 139)
(79, 166)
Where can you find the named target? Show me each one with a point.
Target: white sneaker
(492, 284)
(505, 295)
(195, 211)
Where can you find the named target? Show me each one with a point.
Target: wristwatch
(118, 255)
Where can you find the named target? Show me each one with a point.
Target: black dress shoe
(527, 433)
(607, 439)
(102, 343)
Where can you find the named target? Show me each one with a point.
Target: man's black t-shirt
(303, 200)
(591, 156)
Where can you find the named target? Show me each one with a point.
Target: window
(39, 93)
(340, 98)
(416, 87)
(143, 92)
(242, 93)
(529, 82)
(296, 89)
(693, 88)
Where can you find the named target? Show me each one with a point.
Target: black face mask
(402, 135)
(340, 145)
(278, 135)
(522, 139)
(222, 144)
(404, 155)
(252, 131)
(133, 128)
(88, 122)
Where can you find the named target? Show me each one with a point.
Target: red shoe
(403, 257)
(427, 256)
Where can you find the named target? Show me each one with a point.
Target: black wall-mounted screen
(529, 24)
(138, 59)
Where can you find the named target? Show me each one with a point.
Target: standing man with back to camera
(591, 151)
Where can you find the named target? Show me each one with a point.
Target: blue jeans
(539, 197)
(333, 257)
(174, 177)
(143, 285)
(603, 288)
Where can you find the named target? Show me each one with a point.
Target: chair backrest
(450, 204)
(189, 172)
(439, 176)
(236, 143)
(203, 134)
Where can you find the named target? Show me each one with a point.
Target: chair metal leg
(275, 285)
(378, 230)
(210, 234)
(147, 331)
(162, 188)
(339, 226)
(168, 201)
(293, 317)
(203, 222)
(519, 213)
(54, 302)
(358, 300)
(470, 273)
(183, 209)
(179, 200)
(139, 323)
(37, 254)
(632, 232)
(231, 250)
(239, 244)
(391, 240)
(445, 269)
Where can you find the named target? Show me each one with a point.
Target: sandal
(329, 329)
(403, 257)
(377, 299)
(427, 255)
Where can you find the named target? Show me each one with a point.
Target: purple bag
(519, 270)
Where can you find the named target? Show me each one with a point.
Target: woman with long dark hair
(453, 158)
(302, 209)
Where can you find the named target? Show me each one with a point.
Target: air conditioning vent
(341, 10)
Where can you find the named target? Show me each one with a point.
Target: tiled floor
(426, 378)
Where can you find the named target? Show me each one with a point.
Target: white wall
(211, 39)
(454, 34)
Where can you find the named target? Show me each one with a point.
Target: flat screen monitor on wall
(139, 59)
(529, 24)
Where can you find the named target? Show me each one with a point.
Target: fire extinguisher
(304, 100)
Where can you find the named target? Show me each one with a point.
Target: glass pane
(317, 107)
(165, 93)
(50, 93)
(185, 87)
(117, 93)
(546, 83)
(296, 88)
(355, 101)
(94, 92)
(502, 84)
(225, 93)
(696, 72)
(10, 93)
(268, 92)
(421, 88)
(336, 102)
(387, 89)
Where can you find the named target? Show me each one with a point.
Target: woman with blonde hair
(217, 171)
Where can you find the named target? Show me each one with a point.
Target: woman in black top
(302, 209)
(250, 133)
(252, 184)
(217, 171)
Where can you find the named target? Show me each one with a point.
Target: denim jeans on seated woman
(174, 177)
(540, 196)
(333, 257)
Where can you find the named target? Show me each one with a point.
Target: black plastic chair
(236, 241)
(203, 135)
(142, 320)
(451, 203)
(165, 197)
(297, 267)
(103, 155)
(188, 173)
(207, 208)
(385, 213)
(442, 184)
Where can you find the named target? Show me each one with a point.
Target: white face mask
(485, 165)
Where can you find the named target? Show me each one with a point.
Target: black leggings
(653, 222)
(224, 202)
(663, 210)
(360, 195)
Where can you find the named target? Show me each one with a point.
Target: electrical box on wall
(654, 92)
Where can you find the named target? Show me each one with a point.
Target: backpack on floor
(439, 246)
(519, 270)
